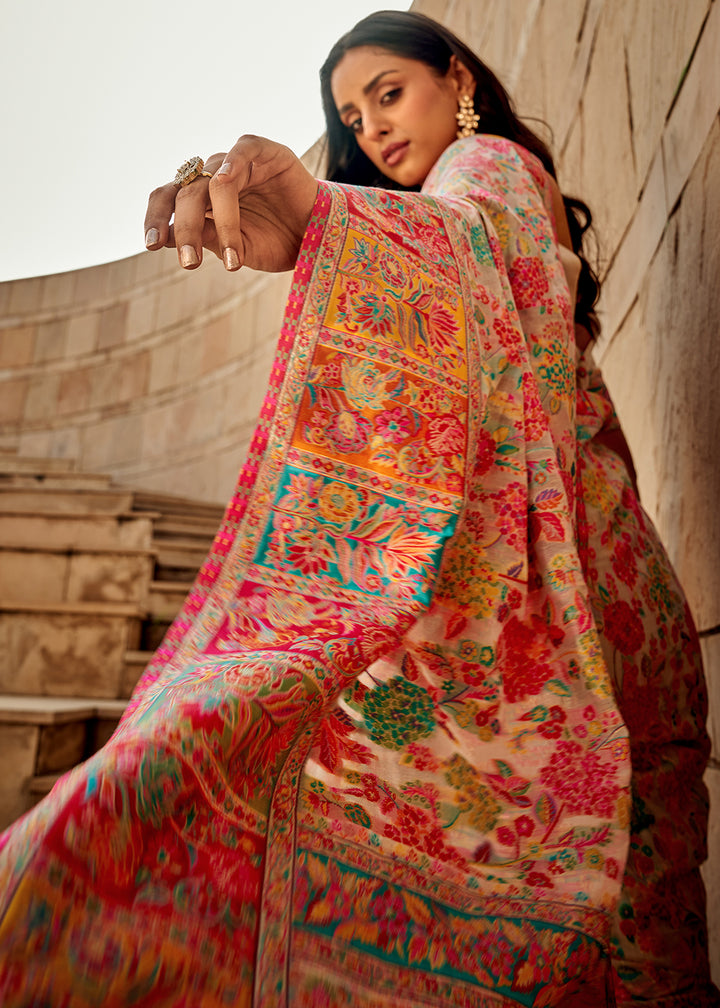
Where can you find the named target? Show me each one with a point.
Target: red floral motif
(485, 453)
(581, 779)
(446, 435)
(528, 278)
(623, 627)
(524, 653)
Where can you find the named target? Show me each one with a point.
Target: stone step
(37, 500)
(55, 480)
(152, 633)
(69, 649)
(41, 785)
(28, 463)
(48, 576)
(166, 597)
(178, 559)
(134, 666)
(187, 528)
(76, 530)
(44, 737)
(167, 504)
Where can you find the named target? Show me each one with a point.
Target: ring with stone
(190, 170)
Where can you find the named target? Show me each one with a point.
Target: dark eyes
(387, 98)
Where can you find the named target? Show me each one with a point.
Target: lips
(393, 154)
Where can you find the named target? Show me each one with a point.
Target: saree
(377, 759)
(651, 648)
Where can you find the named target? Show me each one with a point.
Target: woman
(377, 759)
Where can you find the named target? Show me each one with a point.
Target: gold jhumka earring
(467, 117)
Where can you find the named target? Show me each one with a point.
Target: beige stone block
(112, 326)
(122, 274)
(142, 315)
(541, 85)
(64, 653)
(34, 443)
(171, 305)
(190, 355)
(73, 532)
(201, 417)
(157, 432)
(32, 577)
(62, 442)
(603, 171)
(660, 39)
(82, 334)
(242, 327)
(270, 306)
(50, 341)
(17, 346)
(638, 245)
(163, 366)
(711, 871)
(711, 659)
(215, 338)
(112, 577)
(25, 296)
(216, 287)
(4, 299)
(696, 110)
(42, 396)
(133, 376)
(18, 746)
(152, 265)
(111, 442)
(74, 390)
(13, 397)
(135, 663)
(62, 746)
(684, 310)
(91, 284)
(119, 380)
(103, 383)
(37, 501)
(58, 290)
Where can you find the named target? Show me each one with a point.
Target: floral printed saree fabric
(653, 654)
(377, 760)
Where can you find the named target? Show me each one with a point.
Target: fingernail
(188, 256)
(224, 169)
(231, 259)
(152, 237)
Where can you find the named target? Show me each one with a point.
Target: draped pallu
(376, 760)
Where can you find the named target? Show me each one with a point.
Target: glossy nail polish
(188, 256)
(152, 237)
(231, 259)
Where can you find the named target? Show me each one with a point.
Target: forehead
(359, 68)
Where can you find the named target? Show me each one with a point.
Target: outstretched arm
(253, 211)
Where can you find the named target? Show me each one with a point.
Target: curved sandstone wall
(139, 370)
(156, 377)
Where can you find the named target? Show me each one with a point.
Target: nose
(375, 125)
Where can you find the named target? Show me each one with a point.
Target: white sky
(101, 101)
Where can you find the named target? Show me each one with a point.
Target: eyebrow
(370, 86)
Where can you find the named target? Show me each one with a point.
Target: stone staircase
(91, 576)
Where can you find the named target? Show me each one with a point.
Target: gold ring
(191, 170)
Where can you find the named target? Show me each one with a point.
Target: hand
(253, 211)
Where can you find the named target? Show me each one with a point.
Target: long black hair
(418, 37)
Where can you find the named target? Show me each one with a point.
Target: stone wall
(156, 377)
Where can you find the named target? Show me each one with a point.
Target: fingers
(176, 217)
(160, 209)
(191, 202)
(229, 180)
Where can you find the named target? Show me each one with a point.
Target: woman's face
(402, 113)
